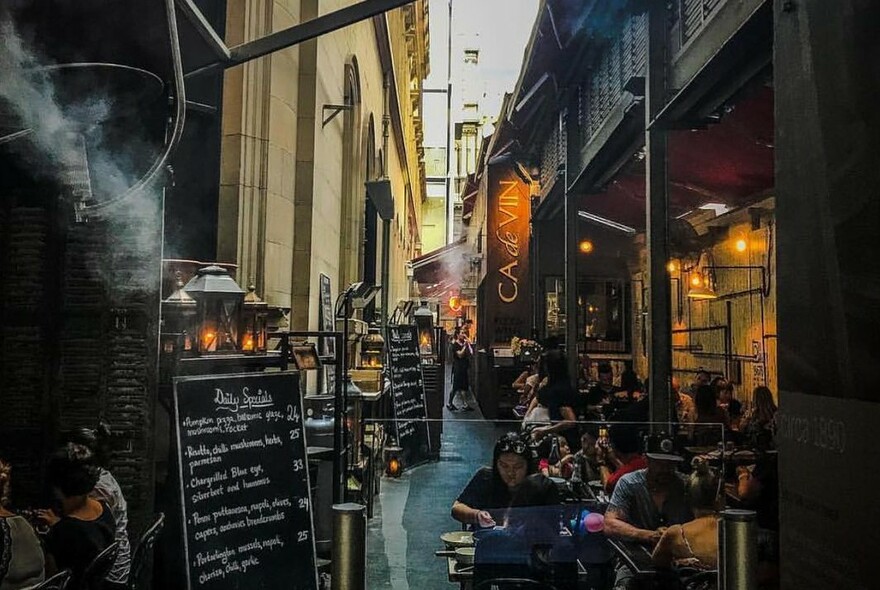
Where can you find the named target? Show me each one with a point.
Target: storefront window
(602, 316)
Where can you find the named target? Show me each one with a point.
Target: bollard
(349, 547)
(738, 550)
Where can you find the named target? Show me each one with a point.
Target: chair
(143, 549)
(512, 584)
(96, 572)
(57, 582)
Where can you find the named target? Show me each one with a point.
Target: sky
(500, 29)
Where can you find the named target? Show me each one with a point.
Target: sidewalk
(413, 511)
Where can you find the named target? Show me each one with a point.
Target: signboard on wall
(507, 283)
(408, 392)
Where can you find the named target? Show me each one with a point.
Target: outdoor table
(636, 556)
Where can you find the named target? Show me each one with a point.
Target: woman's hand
(484, 519)
(48, 517)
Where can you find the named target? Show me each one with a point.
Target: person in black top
(510, 482)
(560, 400)
(604, 391)
(462, 351)
(82, 527)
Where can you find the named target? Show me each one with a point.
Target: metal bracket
(335, 110)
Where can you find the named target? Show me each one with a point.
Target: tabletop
(636, 556)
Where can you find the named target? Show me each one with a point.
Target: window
(472, 56)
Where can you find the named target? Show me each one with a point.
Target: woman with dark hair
(108, 491)
(759, 423)
(510, 482)
(21, 557)
(84, 526)
(559, 398)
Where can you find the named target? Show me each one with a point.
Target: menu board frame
(286, 390)
(412, 455)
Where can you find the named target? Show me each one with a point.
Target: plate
(458, 538)
(558, 480)
(595, 483)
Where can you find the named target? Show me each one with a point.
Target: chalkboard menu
(247, 518)
(408, 392)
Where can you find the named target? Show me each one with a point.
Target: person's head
(556, 366)
(703, 378)
(94, 439)
(725, 392)
(5, 483)
(625, 439)
(705, 401)
(71, 471)
(564, 449)
(718, 383)
(588, 443)
(511, 460)
(763, 401)
(703, 489)
(606, 374)
(661, 472)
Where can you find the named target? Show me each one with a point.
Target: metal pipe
(204, 28)
(310, 29)
(83, 212)
(16, 135)
(738, 550)
(349, 547)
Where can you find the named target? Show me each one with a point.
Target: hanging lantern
(254, 313)
(219, 301)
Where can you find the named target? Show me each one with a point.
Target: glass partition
(577, 508)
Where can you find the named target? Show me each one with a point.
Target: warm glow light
(586, 246)
(209, 338)
(455, 303)
(672, 266)
(696, 281)
(741, 245)
(393, 467)
(248, 343)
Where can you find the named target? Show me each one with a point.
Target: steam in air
(70, 139)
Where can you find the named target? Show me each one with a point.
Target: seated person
(728, 402)
(712, 420)
(622, 456)
(586, 460)
(21, 557)
(562, 465)
(604, 391)
(645, 502)
(511, 481)
(559, 398)
(694, 544)
(758, 425)
(83, 526)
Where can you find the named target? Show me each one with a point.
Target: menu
(247, 517)
(408, 392)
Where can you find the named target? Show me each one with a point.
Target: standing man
(462, 351)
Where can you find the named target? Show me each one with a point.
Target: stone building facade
(302, 130)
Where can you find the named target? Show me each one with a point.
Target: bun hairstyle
(5, 476)
(95, 440)
(703, 485)
(72, 470)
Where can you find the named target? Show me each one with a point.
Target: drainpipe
(386, 223)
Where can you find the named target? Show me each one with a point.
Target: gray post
(568, 124)
(738, 550)
(350, 547)
(386, 273)
(656, 207)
